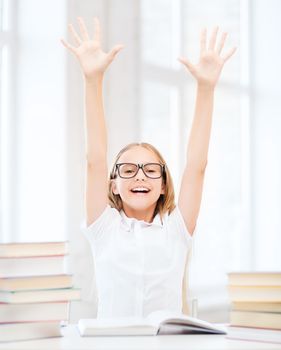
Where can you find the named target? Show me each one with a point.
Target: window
(6, 189)
(168, 29)
(32, 150)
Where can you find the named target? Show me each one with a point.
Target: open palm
(92, 58)
(207, 70)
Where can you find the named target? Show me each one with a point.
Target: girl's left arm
(206, 72)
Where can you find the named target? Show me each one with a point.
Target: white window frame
(8, 122)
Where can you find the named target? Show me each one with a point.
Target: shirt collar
(130, 222)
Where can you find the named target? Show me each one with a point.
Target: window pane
(5, 10)
(223, 237)
(42, 121)
(32, 124)
(160, 31)
(204, 13)
(168, 102)
(5, 176)
(159, 121)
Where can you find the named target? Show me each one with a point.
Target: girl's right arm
(94, 62)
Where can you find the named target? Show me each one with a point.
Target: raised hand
(93, 60)
(207, 70)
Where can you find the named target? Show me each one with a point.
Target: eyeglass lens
(152, 170)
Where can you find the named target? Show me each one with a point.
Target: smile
(140, 190)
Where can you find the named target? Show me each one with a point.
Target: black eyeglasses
(130, 170)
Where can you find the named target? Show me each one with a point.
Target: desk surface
(72, 341)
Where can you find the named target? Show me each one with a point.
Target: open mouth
(142, 190)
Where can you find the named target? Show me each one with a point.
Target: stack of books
(35, 291)
(255, 305)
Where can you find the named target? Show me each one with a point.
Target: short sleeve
(176, 221)
(102, 225)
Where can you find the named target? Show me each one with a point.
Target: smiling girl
(139, 237)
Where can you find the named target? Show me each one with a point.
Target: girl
(139, 237)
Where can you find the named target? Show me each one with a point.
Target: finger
(221, 43)
(74, 34)
(97, 29)
(83, 29)
(68, 46)
(213, 39)
(203, 40)
(187, 63)
(114, 51)
(229, 54)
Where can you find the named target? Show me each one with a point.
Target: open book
(158, 322)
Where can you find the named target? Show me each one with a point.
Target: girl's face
(138, 193)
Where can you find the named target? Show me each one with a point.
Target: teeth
(140, 189)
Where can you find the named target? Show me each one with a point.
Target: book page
(164, 318)
(117, 326)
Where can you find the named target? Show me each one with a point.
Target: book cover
(255, 293)
(28, 249)
(254, 278)
(40, 296)
(30, 266)
(29, 330)
(36, 282)
(256, 306)
(34, 312)
(256, 319)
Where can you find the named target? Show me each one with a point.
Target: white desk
(72, 341)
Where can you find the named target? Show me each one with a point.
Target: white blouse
(139, 266)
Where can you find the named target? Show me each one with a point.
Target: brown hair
(166, 201)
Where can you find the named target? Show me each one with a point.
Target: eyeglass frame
(140, 166)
